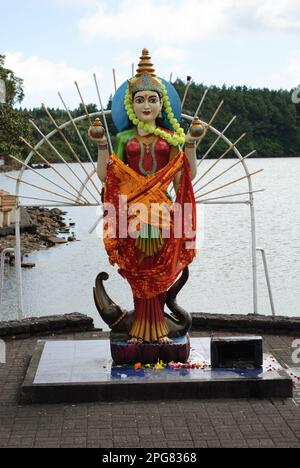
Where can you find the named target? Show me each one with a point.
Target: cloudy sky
(51, 43)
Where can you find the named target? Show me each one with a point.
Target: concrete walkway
(159, 424)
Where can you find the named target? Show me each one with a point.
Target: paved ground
(160, 424)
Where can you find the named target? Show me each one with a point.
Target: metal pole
(18, 261)
(216, 141)
(45, 190)
(201, 103)
(197, 111)
(115, 79)
(96, 224)
(232, 195)
(211, 122)
(104, 116)
(241, 202)
(230, 148)
(46, 178)
(54, 132)
(268, 280)
(77, 131)
(254, 251)
(54, 203)
(56, 151)
(229, 184)
(252, 214)
(188, 85)
(227, 170)
(3, 255)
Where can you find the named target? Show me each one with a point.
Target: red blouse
(147, 159)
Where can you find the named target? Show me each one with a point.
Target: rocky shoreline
(46, 229)
(12, 166)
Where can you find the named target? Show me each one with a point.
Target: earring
(160, 115)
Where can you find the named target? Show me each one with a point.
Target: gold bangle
(191, 145)
(103, 147)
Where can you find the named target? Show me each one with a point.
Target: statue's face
(147, 106)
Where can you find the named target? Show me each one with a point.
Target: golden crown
(145, 78)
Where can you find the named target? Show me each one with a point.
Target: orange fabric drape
(148, 279)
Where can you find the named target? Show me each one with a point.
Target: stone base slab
(82, 371)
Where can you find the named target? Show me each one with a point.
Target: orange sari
(150, 277)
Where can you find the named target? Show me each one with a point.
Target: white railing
(2, 265)
(220, 135)
(264, 257)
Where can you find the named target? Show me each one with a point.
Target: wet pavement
(189, 423)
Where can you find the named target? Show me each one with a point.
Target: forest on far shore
(269, 117)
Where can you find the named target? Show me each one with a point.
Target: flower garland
(175, 140)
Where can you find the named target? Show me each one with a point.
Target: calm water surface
(221, 276)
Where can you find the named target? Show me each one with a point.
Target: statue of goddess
(147, 159)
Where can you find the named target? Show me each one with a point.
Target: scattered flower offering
(159, 366)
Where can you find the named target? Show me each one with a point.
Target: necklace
(147, 145)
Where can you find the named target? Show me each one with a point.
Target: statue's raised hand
(196, 132)
(96, 133)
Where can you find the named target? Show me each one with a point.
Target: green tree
(13, 123)
(14, 85)
(270, 118)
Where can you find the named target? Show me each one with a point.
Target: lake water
(221, 276)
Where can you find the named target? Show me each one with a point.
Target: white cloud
(177, 31)
(172, 54)
(168, 21)
(289, 75)
(73, 3)
(171, 59)
(281, 14)
(44, 78)
(180, 21)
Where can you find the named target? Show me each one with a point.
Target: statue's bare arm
(191, 152)
(103, 157)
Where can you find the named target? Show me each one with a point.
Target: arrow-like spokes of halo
(77, 196)
(74, 154)
(231, 147)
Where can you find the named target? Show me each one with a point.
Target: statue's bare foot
(135, 340)
(165, 340)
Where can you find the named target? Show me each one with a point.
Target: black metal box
(237, 352)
